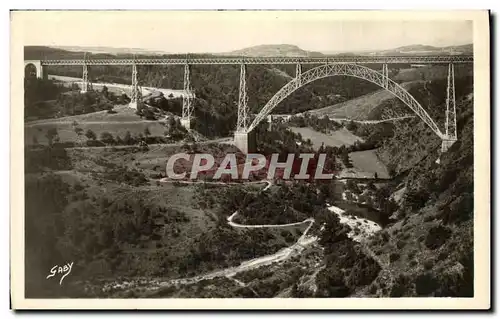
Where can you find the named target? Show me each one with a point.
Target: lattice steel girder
(355, 70)
(187, 107)
(242, 122)
(385, 73)
(451, 115)
(298, 72)
(435, 59)
(86, 84)
(135, 91)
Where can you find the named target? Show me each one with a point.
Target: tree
(52, 135)
(351, 126)
(148, 114)
(147, 133)
(105, 91)
(107, 138)
(118, 140)
(78, 131)
(128, 138)
(90, 135)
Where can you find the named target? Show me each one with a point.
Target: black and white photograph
(235, 159)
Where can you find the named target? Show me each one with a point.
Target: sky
(212, 31)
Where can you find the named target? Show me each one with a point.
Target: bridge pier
(451, 114)
(186, 123)
(86, 84)
(136, 94)
(187, 106)
(446, 144)
(243, 119)
(245, 142)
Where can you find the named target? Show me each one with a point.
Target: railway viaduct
(354, 66)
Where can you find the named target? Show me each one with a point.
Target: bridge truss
(328, 66)
(433, 59)
(355, 70)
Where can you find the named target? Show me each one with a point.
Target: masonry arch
(34, 68)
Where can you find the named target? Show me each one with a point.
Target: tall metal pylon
(86, 84)
(187, 108)
(450, 135)
(451, 115)
(298, 73)
(241, 125)
(385, 73)
(136, 95)
(133, 96)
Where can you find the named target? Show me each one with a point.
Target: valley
(97, 192)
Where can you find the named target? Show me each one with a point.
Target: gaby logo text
(62, 270)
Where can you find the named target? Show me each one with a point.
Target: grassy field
(361, 107)
(123, 113)
(117, 124)
(369, 162)
(337, 138)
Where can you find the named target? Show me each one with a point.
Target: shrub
(460, 210)
(416, 198)
(90, 135)
(425, 284)
(442, 256)
(331, 284)
(95, 143)
(123, 175)
(437, 236)
(412, 254)
(107, 138)
(429, 218)
(385, 236)
(400, 244)
(394, 257)
(149, 114)
(400, 286)
(52, 135)
(428, 264)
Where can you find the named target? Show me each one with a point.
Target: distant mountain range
(419, 49)
(110, 50)
(270, 50)
(266, 50)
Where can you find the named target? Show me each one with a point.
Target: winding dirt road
(304, 240)
(281, 255)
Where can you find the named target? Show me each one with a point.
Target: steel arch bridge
(354, 70)
(328, 66)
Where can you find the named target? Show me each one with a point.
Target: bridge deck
(435, 59)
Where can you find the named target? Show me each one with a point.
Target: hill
(429, 251)
(109, 50)
(425, 84)
(216, 87)
(414, 49)
(419, 49)
(273, 50)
